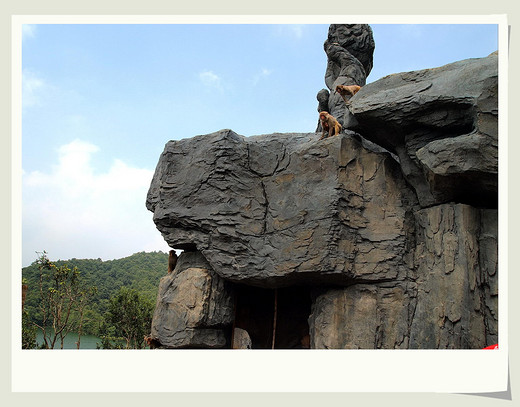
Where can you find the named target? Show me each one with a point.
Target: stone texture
(349, 49)
(488, 277)
(282, 209)
(443, 125)
(193, 304)
(362, 316)
(241, 339)
(449, 300)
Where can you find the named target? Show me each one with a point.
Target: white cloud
(73, 211)
(32, 89)
(295, 31)
(209, 78)
(28, 31)
(264, 73)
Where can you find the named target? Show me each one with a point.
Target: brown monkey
(329, 124)
(151, 342)
(345, 90)
(172, 261)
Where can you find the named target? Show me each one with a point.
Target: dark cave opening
(282, 313)
(186, 247)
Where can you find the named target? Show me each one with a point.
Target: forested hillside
(141, 271)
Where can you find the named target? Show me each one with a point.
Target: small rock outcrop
(384, 237)
(193, 304)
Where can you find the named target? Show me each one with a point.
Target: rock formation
(193, 304)
(349, 49)
(382, 237)
(442, 123)
(284, 209)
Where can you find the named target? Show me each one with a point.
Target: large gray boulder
(284, 209)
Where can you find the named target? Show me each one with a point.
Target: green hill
(141, 271)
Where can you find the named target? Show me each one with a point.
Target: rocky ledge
(284, 209)
(443, 125)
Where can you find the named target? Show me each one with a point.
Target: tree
(28, 329)
(130, 315)
(28, 332)
(62, 295)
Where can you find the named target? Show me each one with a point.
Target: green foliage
(28, 332)
(130, 315)
(110, 342)
(63, 297)
(141, 271)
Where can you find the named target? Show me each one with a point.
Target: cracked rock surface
(284, 209)
(193, 304)
(449, 300)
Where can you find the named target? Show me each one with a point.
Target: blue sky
(100, 102)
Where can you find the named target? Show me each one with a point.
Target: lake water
(87, 341)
